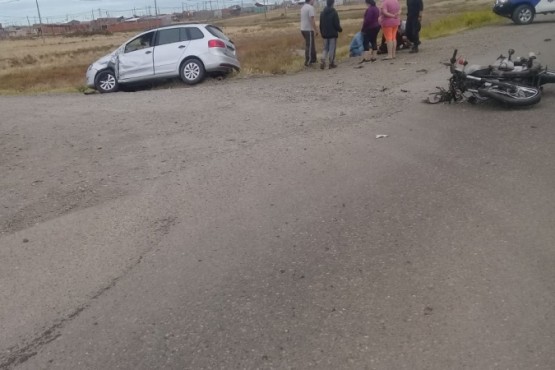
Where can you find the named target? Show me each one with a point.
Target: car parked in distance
(188, 51)
(523, 11)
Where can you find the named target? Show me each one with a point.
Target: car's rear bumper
(230, 66)
(215, 61)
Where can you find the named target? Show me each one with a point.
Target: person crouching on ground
(356, 49)
(329, 29)
(370, 29)
(309, 31)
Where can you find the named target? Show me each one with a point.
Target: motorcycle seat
(478, 71)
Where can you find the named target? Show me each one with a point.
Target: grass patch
(454, 23)
(272, 53)
(41, 79)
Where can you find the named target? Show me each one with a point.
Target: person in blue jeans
(329, 29)
(356, 49)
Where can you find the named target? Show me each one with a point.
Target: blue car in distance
(523, 11)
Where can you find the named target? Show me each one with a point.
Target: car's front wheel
(105, 82)
(192, 71)
(523, 14)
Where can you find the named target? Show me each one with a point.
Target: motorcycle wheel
(514, 95)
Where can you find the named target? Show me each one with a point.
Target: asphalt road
(259, 223)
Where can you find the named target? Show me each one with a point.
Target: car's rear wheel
(192, 71)
(523, 14)
(105, 82)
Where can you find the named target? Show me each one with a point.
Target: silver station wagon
(188, 51)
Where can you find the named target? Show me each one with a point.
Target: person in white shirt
(309, 31)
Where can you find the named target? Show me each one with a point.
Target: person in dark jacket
(414, 17)
(329, 29)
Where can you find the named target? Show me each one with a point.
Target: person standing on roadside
(370, 29)
(309, 31)
(329, 29)
(390, 20)
(414, 19)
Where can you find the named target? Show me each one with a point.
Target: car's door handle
(148, 52)
(181, 46)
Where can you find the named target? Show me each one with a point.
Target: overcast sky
(17, 11)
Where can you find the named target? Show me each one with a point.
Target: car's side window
(168, 36)
(141, 42)
(195, 33)
(183, 34)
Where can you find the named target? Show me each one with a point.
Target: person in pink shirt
(390, 14)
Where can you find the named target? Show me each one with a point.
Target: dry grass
(266, 44)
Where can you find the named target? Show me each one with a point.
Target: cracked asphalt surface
(259, 223)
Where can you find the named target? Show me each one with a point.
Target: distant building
(55, 29)
(132, 24)
(19, 31)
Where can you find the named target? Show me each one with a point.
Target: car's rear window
(195, 33)
(217, 32)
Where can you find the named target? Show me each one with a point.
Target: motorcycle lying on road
(521, 70)
(476, 84)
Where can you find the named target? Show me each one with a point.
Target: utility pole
(38, 11)
(40, 22)
(155, 8)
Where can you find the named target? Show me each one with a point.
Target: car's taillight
(216, 44)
